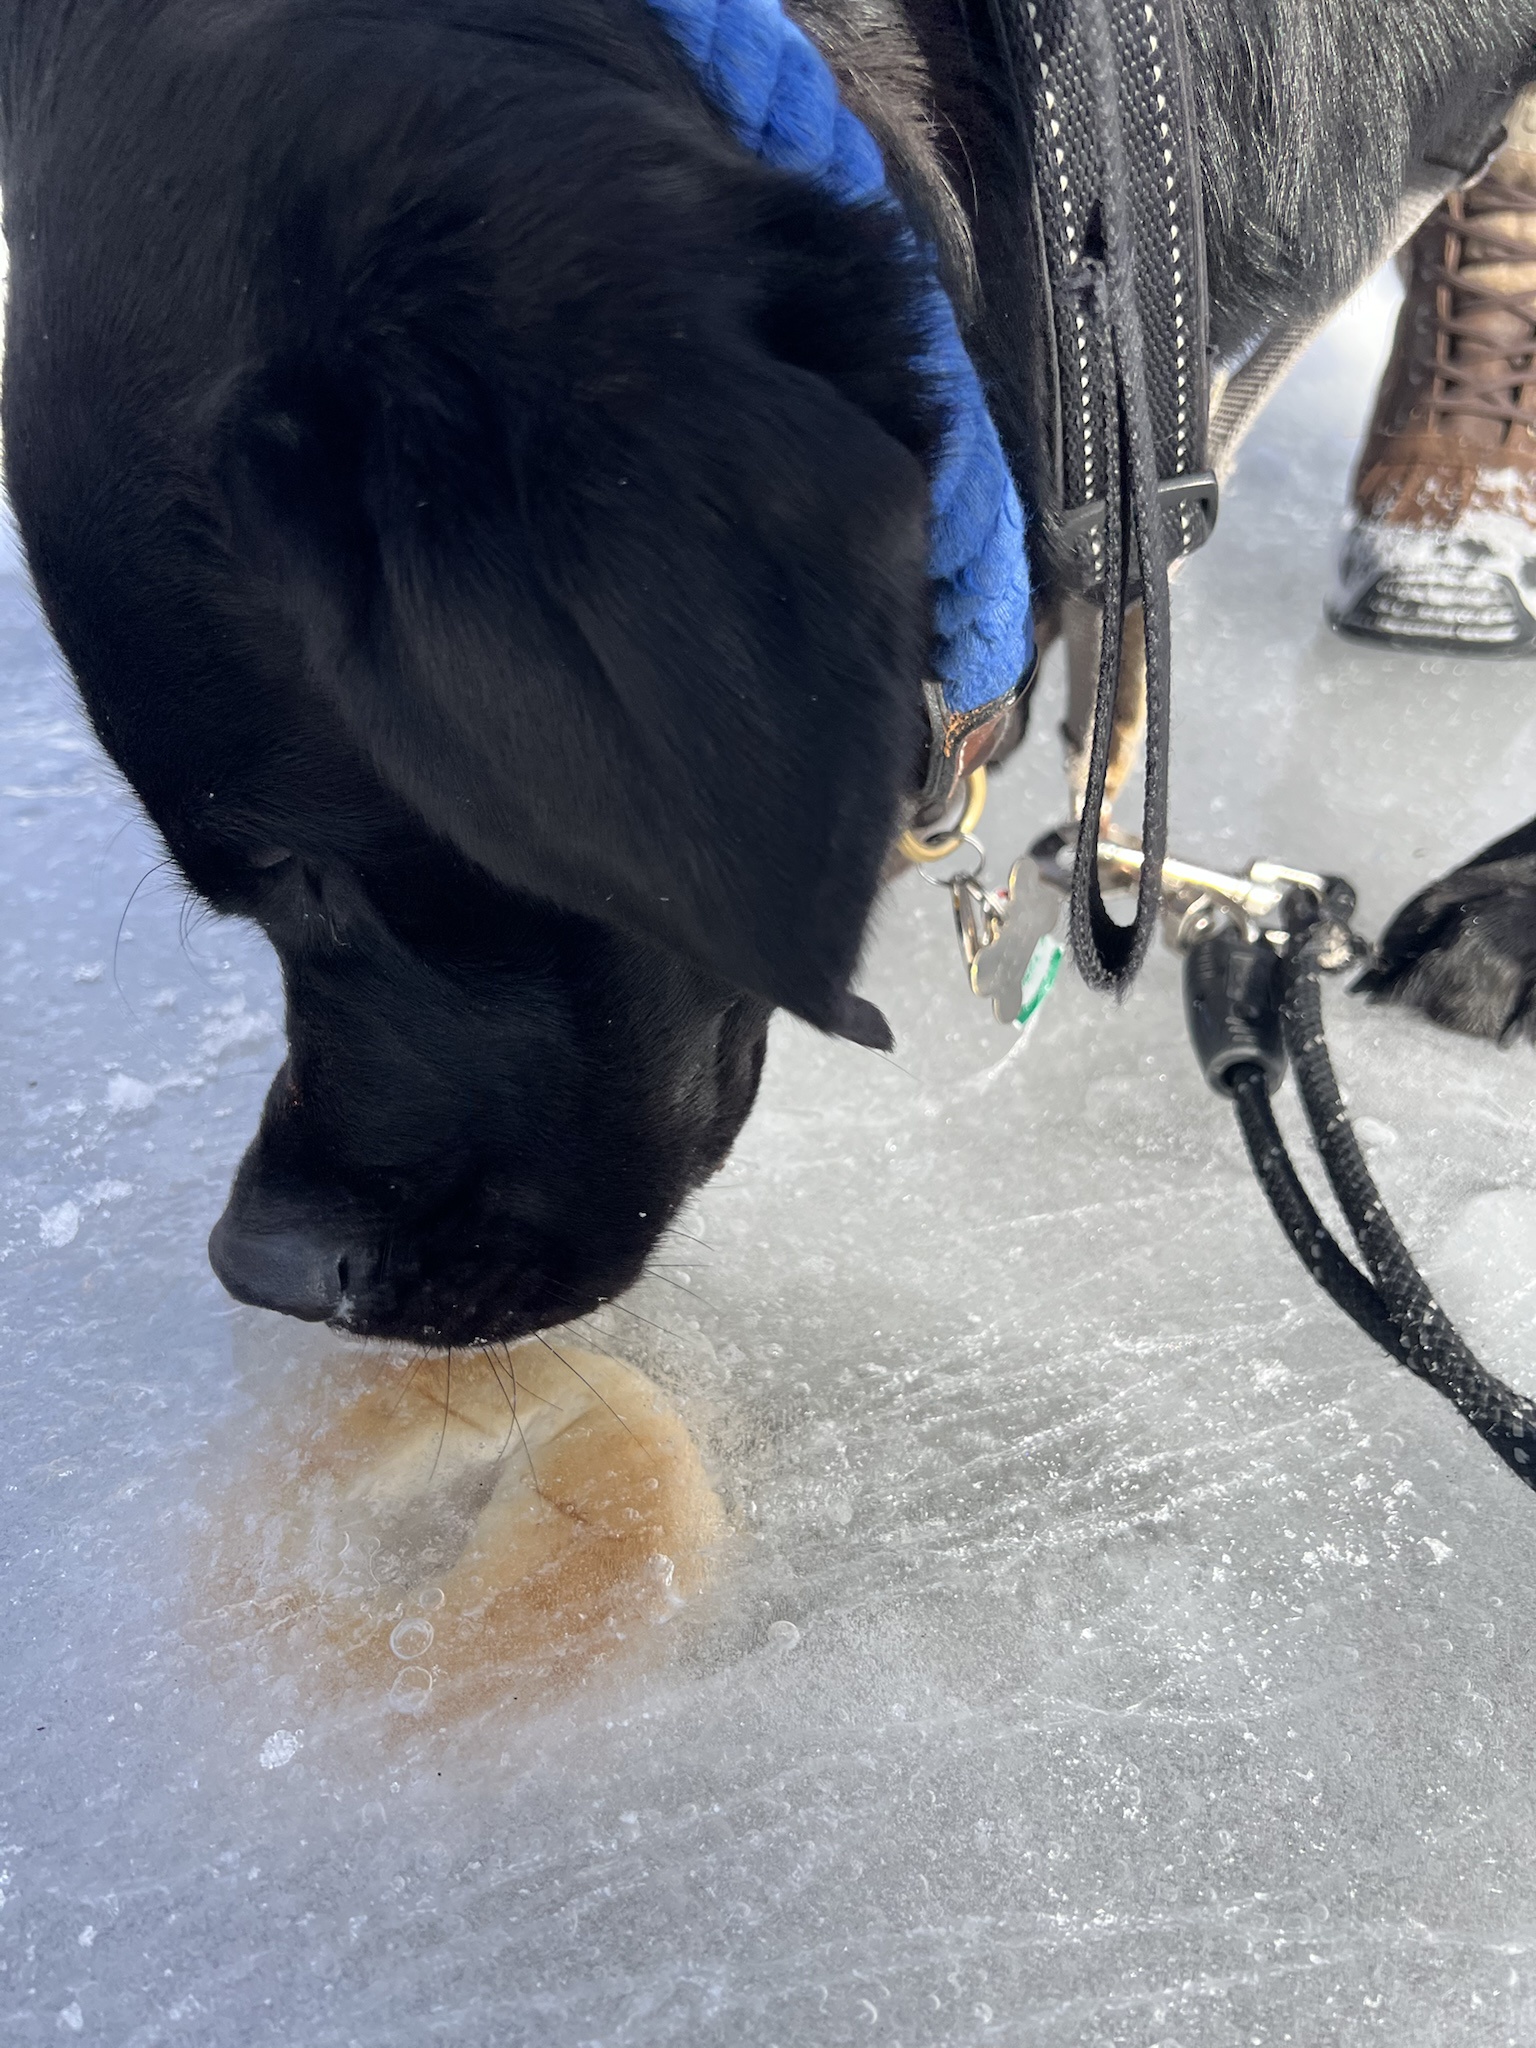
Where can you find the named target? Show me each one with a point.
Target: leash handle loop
(1109, 954)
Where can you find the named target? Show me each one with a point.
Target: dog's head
(488, 527)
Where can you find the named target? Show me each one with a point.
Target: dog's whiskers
(676, 1230)
(655, 1273)
(447, 1395)
(510, 1401)
(159, 868)
(516, 1418)
(597, 1391)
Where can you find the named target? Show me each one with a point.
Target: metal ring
(965, 874)
(910, 847)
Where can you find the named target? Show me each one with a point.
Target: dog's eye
(269, 856)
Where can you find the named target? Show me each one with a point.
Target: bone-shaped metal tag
(1017, 968)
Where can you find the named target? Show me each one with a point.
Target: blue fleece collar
(776, 90)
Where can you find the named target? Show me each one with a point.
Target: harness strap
(1131, 104)
(1104, 87)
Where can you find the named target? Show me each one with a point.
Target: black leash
(1251, 1003)
(1105, 89)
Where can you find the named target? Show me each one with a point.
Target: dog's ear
(633, 613)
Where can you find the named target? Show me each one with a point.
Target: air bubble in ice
(411, 1637)
(408, 1694)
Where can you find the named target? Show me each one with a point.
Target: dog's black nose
(297, 1271)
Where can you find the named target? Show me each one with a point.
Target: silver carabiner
(1253, 899)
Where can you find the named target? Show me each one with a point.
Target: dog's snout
(294, 1266)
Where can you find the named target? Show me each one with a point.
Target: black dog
(485, 511)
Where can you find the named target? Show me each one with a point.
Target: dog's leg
(1464, 950)
(1081, 629)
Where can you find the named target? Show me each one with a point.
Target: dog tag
(1017, 968)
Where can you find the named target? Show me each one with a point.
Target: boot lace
(1478, 375)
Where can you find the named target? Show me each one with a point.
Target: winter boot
(1441, 547)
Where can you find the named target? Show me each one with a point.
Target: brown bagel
(469, 1526)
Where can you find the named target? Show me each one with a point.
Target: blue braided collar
(775, 88)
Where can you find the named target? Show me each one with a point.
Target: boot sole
(1454, 592)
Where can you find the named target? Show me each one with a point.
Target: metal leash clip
(1238, 935)
(1264, 901)
(1012, 940)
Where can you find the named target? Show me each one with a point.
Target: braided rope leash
(1250, 1007)
(779, 95)
(1429, 1343)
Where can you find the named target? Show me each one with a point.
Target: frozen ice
(58, 1227)
(1110, 1650)
(125, 1094)
(280, 1747)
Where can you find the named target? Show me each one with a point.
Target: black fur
(484, 511)
(1464, 950)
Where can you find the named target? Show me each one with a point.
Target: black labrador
(484, 510)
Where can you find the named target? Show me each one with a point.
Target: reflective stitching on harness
(1088, 449)
(1180, 329)
(1080, 325)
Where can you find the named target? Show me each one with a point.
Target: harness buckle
(1187, 506)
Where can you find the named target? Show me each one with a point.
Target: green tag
(1039, 976)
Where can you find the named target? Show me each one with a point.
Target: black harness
(1107, 92)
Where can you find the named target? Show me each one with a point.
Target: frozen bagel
(464, 1525)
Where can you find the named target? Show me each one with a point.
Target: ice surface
(1112, 1650)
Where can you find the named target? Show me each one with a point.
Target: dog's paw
(1464, 951)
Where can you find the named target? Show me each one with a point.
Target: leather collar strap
(1104, 89)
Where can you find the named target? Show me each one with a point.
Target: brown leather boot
(1441, 548)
